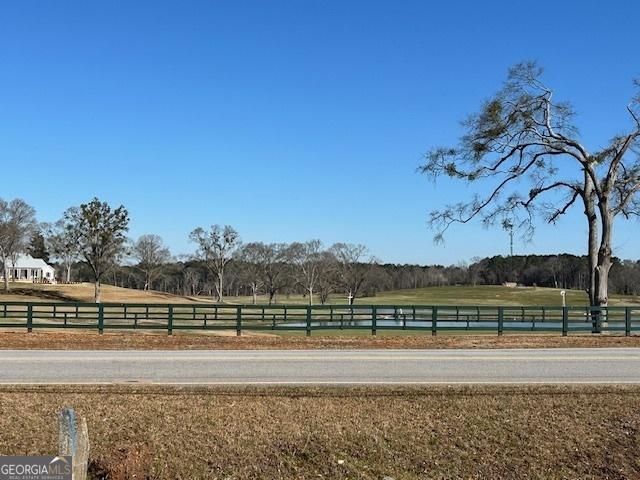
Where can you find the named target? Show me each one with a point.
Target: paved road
(617, 365)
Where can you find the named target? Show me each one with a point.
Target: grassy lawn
(187, 315)
(83, 292)
(452, 295)
(462, 295)
(306, 433)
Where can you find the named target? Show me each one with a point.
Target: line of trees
(93, 233)
(92, 237)
(190, 277)
(89, 243)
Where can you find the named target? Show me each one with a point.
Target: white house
(29, 269)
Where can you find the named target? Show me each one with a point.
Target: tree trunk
(593, 260)
(254, 291)
(96, 295)
(219, 287)
(311, 296)
(68, 273)
(5, 266)
(592, 219)
(6, 277)
(603, 265)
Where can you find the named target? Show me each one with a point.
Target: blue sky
(290, 120)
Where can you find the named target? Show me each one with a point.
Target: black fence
(307, 318)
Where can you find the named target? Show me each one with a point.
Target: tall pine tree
(37, 247)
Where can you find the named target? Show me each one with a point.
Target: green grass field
(450, 295)
(462, 295)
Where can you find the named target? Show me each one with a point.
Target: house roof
(27, 261)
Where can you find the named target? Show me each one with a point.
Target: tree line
(92, 238)
(89, 243)
(190, 277)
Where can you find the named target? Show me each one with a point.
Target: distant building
(29, 269)
(510, 284)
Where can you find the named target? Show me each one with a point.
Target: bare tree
(17, 223)
(252, 256)
(100, 234)
(307, 259)
(152, 255)
(216, 248)
(523, 136)
(192, 280)
(328, 278)
(274, 261)
(62, 245)
(353, 267)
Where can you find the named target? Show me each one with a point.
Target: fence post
(596, 319)
(238, 321)
(100, 319)
(308, 320)
(170, 320)
(627, 321)
(565, 321)
(29, 318)
(500, 320)
(374, 320)
(434, 321)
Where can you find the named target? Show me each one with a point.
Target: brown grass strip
(159, 432)
(88, 340)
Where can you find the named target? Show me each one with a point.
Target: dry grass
(305, 433)
(89, 340)
(450, 295)
(83, 292)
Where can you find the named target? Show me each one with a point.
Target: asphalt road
(371, 367)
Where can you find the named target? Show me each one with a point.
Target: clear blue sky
(290, 120)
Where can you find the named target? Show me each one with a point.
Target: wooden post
(238, 321)
(100, 319)
(74, 442)
(627, 321)
(500, 320)
(374, 320)
(170, 320)
(29, 318)
(434, 321)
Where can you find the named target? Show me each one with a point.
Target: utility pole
(507, 225)
(511, 241)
